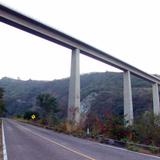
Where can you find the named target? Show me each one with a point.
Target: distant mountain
(100, 93)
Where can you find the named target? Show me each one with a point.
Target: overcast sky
(126, 29)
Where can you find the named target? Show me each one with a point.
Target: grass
(152, 150)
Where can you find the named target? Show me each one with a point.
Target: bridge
(20, 21)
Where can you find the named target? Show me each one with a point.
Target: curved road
(27, 142)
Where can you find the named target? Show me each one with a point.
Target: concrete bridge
(78, 47)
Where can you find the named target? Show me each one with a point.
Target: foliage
(18, 116)
(94, 124)
(147, 129)
(61, 127)
(133, 147)
(2, 105)
(154, 149)
(49, 107)
(47, 103)
(28, 115)
(20, 95)
(110, 126)
(43, 121)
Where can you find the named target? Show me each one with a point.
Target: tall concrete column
(127, 93)
(74, 89)
(156, 107)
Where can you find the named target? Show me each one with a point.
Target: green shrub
(132, 147)
(43, 121)
(18, 116)
(28, 115)
(154, 149)
(61, 127)
(147, 129)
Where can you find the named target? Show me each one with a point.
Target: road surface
(27, 142)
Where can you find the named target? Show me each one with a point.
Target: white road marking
(90, 158)
(123, 149)
(5, 157)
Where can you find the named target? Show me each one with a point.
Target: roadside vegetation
(100, 93)
(46, 113)
(143, 136)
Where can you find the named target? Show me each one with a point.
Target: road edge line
(97, 143)
(58, 144)
(5, 157)
(127, 150)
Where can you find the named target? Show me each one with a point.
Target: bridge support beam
(74, 89)
(128, 104)
(156, 107)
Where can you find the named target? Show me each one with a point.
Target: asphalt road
(27, 142)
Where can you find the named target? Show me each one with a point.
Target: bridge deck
(32, 26)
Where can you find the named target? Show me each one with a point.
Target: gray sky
(126, 29)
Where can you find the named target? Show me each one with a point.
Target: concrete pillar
(128, 104)
(156, 107)
(74, 89)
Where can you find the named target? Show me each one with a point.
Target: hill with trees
(100, 93)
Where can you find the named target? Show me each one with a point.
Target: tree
(49, 107)
(28, 115)
(147, 129)
(2, 106)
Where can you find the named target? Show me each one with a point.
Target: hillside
(100, 93)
